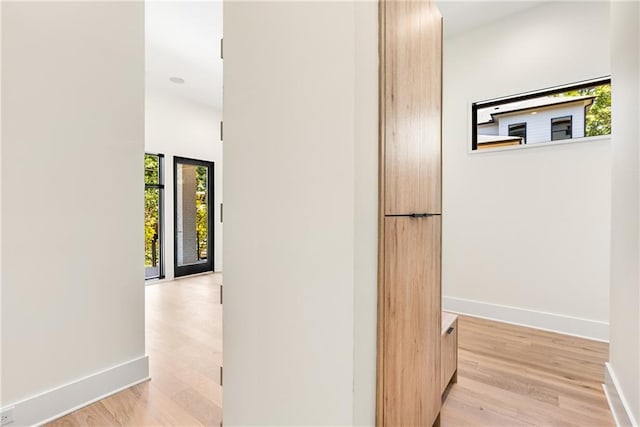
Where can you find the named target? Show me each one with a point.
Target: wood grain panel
(412, 321)
(449, 351)
(380, 343)
(410, 90)
(412, 106)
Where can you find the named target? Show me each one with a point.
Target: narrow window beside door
(153, 224)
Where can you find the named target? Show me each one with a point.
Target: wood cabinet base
(449, 351)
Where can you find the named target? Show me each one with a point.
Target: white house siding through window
(537, 115)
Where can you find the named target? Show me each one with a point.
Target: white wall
(526, 232)
(300, 182)
(366, 213)
(72, 150)
(2, 400)
(624, 350)
(178, 126)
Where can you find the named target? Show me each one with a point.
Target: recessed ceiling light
(177, 80)
(534, 112)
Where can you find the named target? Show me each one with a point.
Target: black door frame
(204, 267)
(160, 187)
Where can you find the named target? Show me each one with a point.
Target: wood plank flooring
(514, 376)
(507, 375)
(184, 344)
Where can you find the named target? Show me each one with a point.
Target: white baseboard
(618, 404)
(52, 404)
(567, 325)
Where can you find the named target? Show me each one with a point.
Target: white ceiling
(183, 40)
(461, 16)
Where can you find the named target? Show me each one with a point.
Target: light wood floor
(514, 376)
(184, 344)
(507, 375)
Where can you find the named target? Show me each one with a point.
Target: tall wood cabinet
(412, 319)
(411, 104)
(409, 307)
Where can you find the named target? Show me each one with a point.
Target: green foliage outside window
(598, 118)
(201, 211)
(151, 210)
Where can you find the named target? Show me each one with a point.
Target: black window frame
(475, 106)
(523, 124)
(563, 118)
(160, 186)
(209, 266)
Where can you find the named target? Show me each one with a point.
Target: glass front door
(193, 222)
